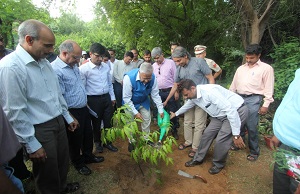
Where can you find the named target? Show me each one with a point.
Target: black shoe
(192, 163)
(84, 170)
(111, 147)
(130, 147)
(93, 159)
(99, 147)
(175, 135)
(214, 170)
(150, 143)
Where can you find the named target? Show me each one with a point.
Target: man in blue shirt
(100, 93)
(287, 137)
(81, 140)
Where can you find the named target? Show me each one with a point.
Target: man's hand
(263, 110)
(74, 125)
(113, 102)
(162, 115)
(165, 103)
(172, 115)
(274, 143)
(139, 116)
(239, 142)
(38, 156)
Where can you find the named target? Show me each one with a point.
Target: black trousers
(102, 105)
(82, 137)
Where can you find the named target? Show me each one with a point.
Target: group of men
(56, 109)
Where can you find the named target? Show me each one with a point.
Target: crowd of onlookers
(55, 106)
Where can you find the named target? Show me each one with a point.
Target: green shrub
(287, 61)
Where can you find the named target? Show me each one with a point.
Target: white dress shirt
(97, 79)
(217, 102)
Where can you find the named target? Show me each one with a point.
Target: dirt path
(120, 174)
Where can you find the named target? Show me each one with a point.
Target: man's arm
(156, 98)
(217, 73)
(210, 78)
(172, 92)
(268, 81)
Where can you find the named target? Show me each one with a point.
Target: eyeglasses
(76, 57)
(159, 70)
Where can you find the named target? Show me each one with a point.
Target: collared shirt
(165, 73)
(196, 70)
(286, 121)
(111, 65)
(217, 102)
(70, 84)
(212, 65)
(137, 63)
(258, 79)
(97, 79)
(30, 95)
(120, 68)
(127, 94)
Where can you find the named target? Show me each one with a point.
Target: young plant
(126, 127)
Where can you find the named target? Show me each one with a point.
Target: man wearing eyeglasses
(81, 140)
(164, 71)
(100, 93)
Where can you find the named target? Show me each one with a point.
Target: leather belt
(98, 96)
(165, 90)
(248, 95)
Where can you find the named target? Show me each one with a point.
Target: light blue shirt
(287, 116)
(217, 102)
(70, 84)
(97, 79)
(30, 95)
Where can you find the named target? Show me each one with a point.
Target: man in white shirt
(228, 113)
(101, 98)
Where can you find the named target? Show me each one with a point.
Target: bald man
(32, 100)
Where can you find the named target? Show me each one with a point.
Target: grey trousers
(253, 103)
(51, 176)
(220, 129)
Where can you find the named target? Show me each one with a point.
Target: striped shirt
(30, 95)
(70, 84)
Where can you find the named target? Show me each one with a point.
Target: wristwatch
(236, 136)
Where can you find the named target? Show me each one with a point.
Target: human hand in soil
(239, 142)
(274, 143)
(172, 115)
(39, 155)
(139, 116)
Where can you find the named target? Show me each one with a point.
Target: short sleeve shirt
(196, 70)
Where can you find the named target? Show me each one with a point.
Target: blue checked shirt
(70, 84)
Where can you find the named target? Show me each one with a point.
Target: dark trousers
(220, 129)
(102, 105)
(20, 169)
(118, 90)
(82, 137)
(282, 183)
(51, 176)
(171, 106)
(253, 104)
